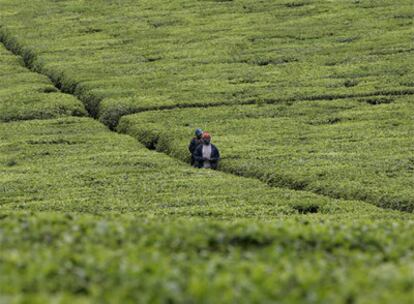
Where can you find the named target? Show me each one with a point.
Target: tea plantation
(124, 56)
(310, 103)
(342, 148)
(28, 95)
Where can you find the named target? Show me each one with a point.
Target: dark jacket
(193, 145)
(198, 157)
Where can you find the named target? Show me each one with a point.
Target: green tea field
(311, 103)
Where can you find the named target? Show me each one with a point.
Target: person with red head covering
(206, 155)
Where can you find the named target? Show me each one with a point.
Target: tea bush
(126, 258)
(121, 57)
(342, 148)
(28, 95)
(77, 165)
(87, 215)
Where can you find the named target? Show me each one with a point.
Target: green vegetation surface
(86, 214)
(28, 95)
(77, 165)
(309, 102)
(134, 55)
(56, 257)
(354, 149)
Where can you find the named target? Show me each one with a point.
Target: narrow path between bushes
(158, 140)
(12, 45)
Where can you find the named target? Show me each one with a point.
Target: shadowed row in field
(28, 95)
(353, 149)
(77, 165)
(129, 56)
(90, 215)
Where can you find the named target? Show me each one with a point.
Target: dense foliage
(135, 55)
(342, 148)
(309, 101)
(77, 165)
(86, 214)
(28, 95)
(50, 257)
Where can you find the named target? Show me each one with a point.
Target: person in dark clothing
(206, 155)
(196, 141)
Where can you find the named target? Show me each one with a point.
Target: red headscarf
(206, 135)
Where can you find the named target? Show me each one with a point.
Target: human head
(206, 138)
(198, 132)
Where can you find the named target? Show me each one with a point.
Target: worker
(206, 155)
(196, 141)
